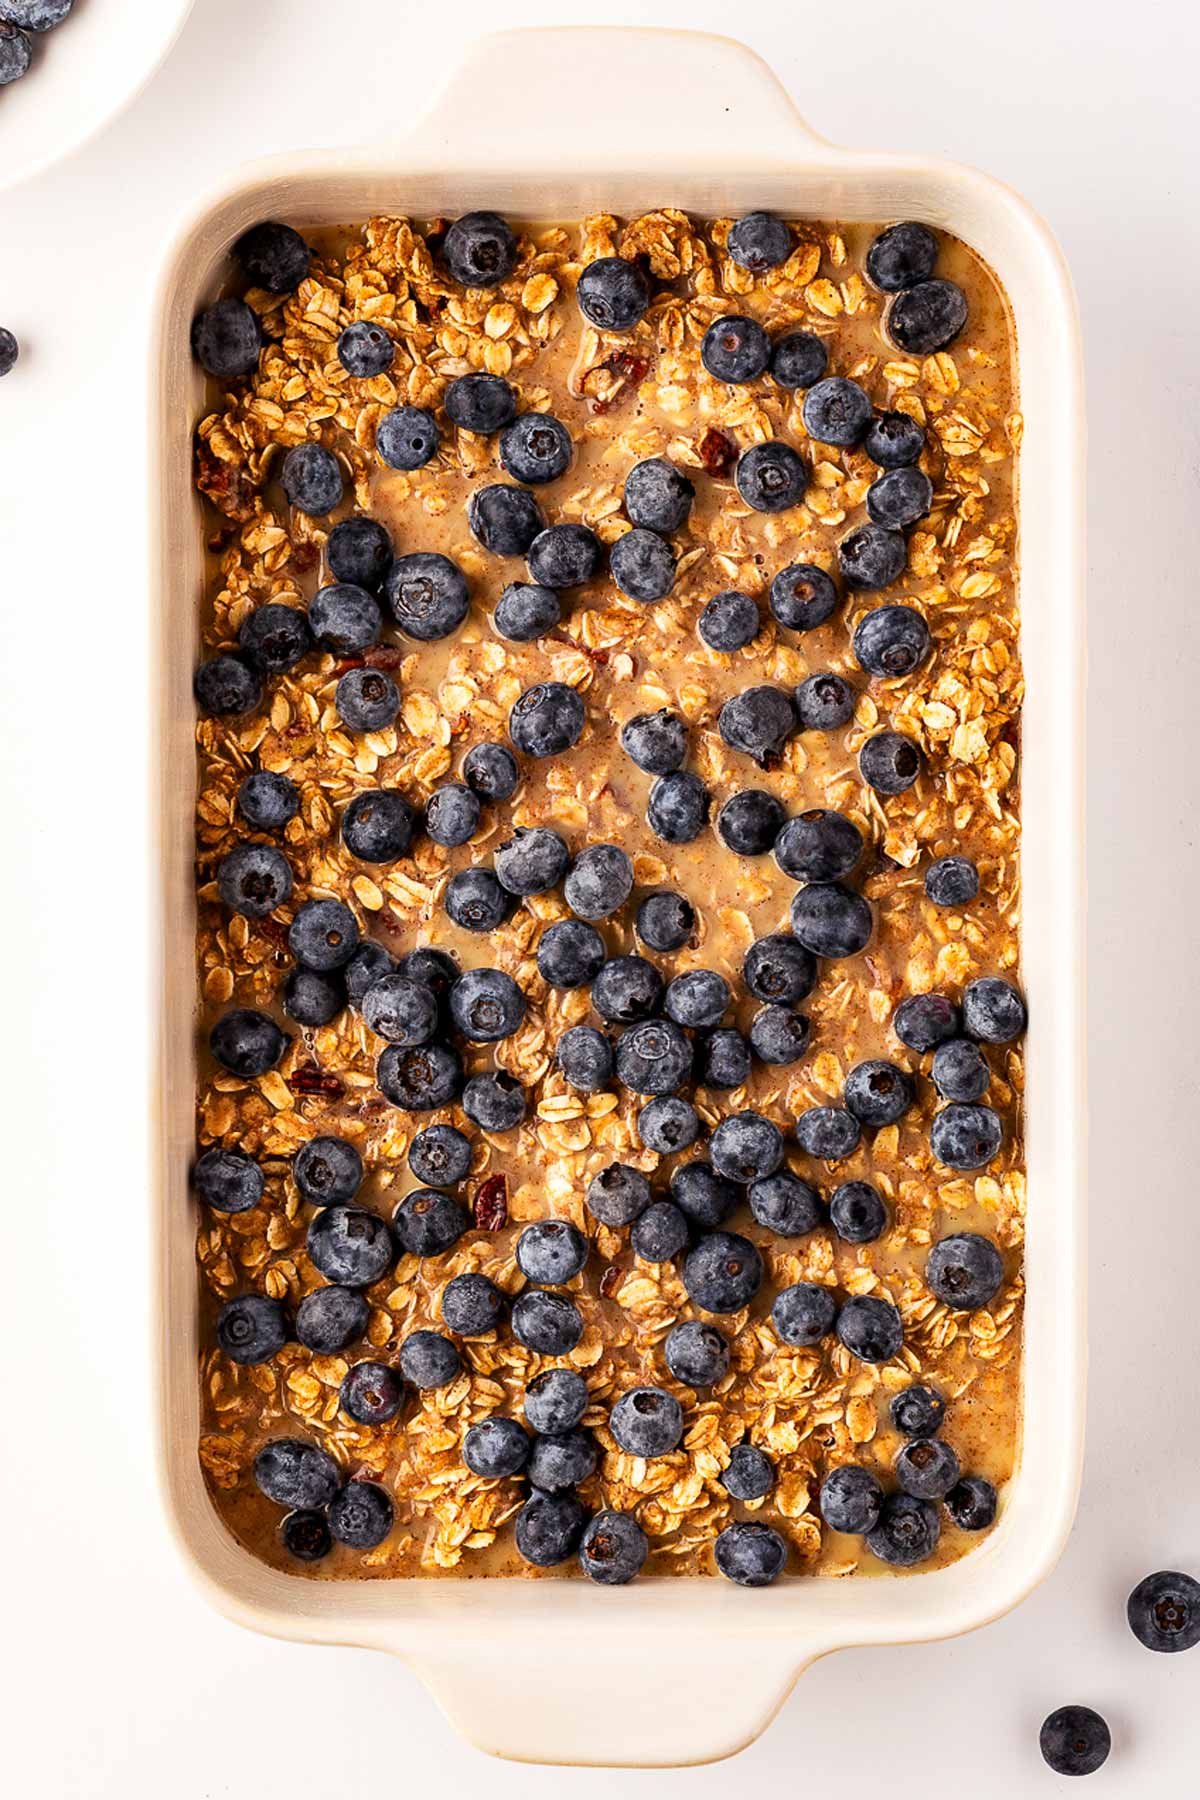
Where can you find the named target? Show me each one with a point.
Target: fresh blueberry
(899, 498)
(525, 612)
(658, 496)
(570, 954)
(656, 742)
(870, 1328)
(964, 1271)
(802, 597)
(344, 618)
(759, 241)
(825, 702)
(277, 637)
(626, 989)
(878, 1092)
(367, 700)
(564, 556)
(668, 1124)
(723, 1273)
(960, 1070)
(226, 337)
(420, 1080)
(698, 999)
(723, 1059)
(551, 1252)
(613, 294)
(779, 1036)
(871, 557)
(993, 1011)
(746, 1147)
(228, 1180)
(836, 411)
(401, 1010)
(1074, 1740)
(427, 594)
(504, 519)
(349, 1246)
(665, 922)
(784, 1204)
(749, 822)
(928, 1468)
(252, 1328)
(481, 403)
(472, 1304)
(310, 998)
(306, 1536)
(290, 1472)
(829, 1133)
(758, 722)
(1164, 1611)
(267, 801)
(779, 969)
(324, 935)
(549, 1529)
(951, 881)
(850, 1500)
(491, 771)
(371, 1393)
(643, 565)
(599, 881)
(328, 1171)
(312, 479)
(926, 317)
(536, 448)
(585, 1059)
(894, 441)
(918, 1412)
(532, 861)
(330, 1318)
(647, 1421)
(613, 1548)
(546, 720)
(10, 349)
(965, 1137)
(618, 1194)
(475, 900)
(799, 360)
(653, 1057)
(751, 1554)
(735, 349)
(226, 685)
(749, 1474)
(429, 1360)
(556, 1400)
(831, 920)
(771, 477)
(804, 1313)
(901, 255)
(378, 825)
(971, 1503)
(659, 1233)
(924, 1021)
(480, 250)
(246, 1042)
(560, 1460)
(369, 962)
(495, 1448)
(254, 879)
(271, 255)
(545, 1322)
(729, 622)
(365, 349)
(486, 1005)
(362, 1515)
(452, 815)
(697, 1354)
(435, 968)
(706, 1196)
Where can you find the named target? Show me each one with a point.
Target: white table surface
(121, 1682)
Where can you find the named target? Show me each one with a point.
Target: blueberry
(546, 720)
(723, 1059)
(545, 1322)
(401, 1010)
(328, 1171)
(831, 920)
(971, 1503)
(924, 1021)
(894, 441)
(877, 1092)
(271, 255)
(570, 954)
(703, 1194)
(585, 1059)
(362, 1515)
(312, 479)
(495, 1448)
(779, 1036)
(918, 1412)
(491, 771)
(927, 1468)
(993, 1011)
(613, 1548)
(323, 935)
(251, 1329)
(549, 1529)
(899, 498)
(749, 1474)
(486, 1005)
(599, 881)
(613, 294)
(746, 1147)
(452, 815)
(551, 1252)
(784, 1204)
(246, 1042)
(906, 1532)
(365, 349)
(871, 557)
(653, 1057)
(665, 921)
(226, 337)
(472, 1304)
(825, 702)
(480, 403)
(618, 1194)
(290, 1472)
(850, 1499)
(964, 1271)
(564, 556)
(836, 411)
(532, 861)
(749, 822)
(643, 565)
(560, 1460)
(656, 742)
(819, 845)
(759, 241)
(254, 879)
(371, 1393)
(771, 477)
(960, 1070)
(828, 1132)
(802, 597)
(926, 317)
(697, 1354)
(306, 1536)
(267, 801)
(729, 622)
(420, 1080)
(536, 448)
(310, 998)
(965, 1137)
(758, 722)
(378, 825)
(799, 360)
(367, 700)
(723, 1273)
(10, 349)
(504, 519)
(429, 1360)
(751, 1554)
(369, 962)
(697, 999)
(626, 989)
(330, 1318)
(778, 968)
(901, 255)
(525, 612)
(1075, 1740)
(277, 637)
(44, 15)
(951, 881)
(556, 1400)
(427, 594)
(349, 1246)
(480, 250)
(475, 900)
(870, 1328)
(658, 496)
(735, 349)
(647, 1421)
(344, 618)
(437, 969)
(1164, 1611)
(228, 1180)
(226, 685)
(804, 1313)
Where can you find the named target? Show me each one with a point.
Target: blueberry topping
(784, 1204)
(647, 1421)
(857, 1212)
(751, 1554)
(643, 565)
(533, 861)
(429, 1360)
(277, 637)
(697, 999)
(928, 1468)
(560, 1460)
(476, 901)
(758, 722)
(735, 349)
(653, 1057)
(226, 685)
(306, 1536)
(556, 1400)
(965, 1137)
(1164, 1611)
(328, 1171)
(491, 771)
(599, 881)
(658, 496)
(401, 1010)
(679, 807)
(585, 1059)
(290, 1472)
(549, 1529)
(723, 1059)
(452, 815)
(226, 337)
(759, 241)
(697, 1354)
(799, 360)
(504, 519)
(246, 1042)
(836, 411)
(749, 1474)
(825, 702)
(831, 920)
(251, 1329)
(526, 612)
(472, 1304)
(427, 594)
(893, 440)
(546, 1322)
(480, 403)
(804, 1313)
(350, 1246)
(626, 989)
(906, 1531)
(964, 1271)
(371, 1393)
(551, 1252)
(924, 1021)
(564, 556)
(536, 448)
(926, 317)
(749, 822)
(779, 1036)
(613, 1548)
(668, 1124)
(899, 498)
(729, 622)
(777, 968)
(850, 1499)
(228, 1180)
(872, 557)
(367, 700)
(723, 1273)
(960, 1070)
(918, 1412)
(362, 1515)
(993, 1011)
(271, 255)
(618, 1194)
(420, 1080)
(971, 1503)
(613, 294)
(312, 479)
(378, 825)
(746, 1147)
(878, 1093)
(254, 879)
(771, 477)
(344, 618)
(870, 1328)
(656, 742)
(266, 801)
(311, 998)
(364, 969)
(1074, 1740)
(330, 1318)
(951, 881)
(901, 255)
(365, 349)
(665, 922)
(570, 954)
(546, 720)
(703, 1194)
(480, 250)
(495, 1448)
(434, 968)
(324, 934)
(359, 552)
(802, 597)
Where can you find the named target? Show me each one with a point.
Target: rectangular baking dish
(700, 123)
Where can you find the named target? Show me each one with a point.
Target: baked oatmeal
(610, 1098)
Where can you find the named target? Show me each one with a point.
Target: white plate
(84, 74)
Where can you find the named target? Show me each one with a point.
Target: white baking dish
(700, 123)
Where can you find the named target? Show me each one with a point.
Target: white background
(122, 1683)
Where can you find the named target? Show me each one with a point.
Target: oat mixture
(624, 397)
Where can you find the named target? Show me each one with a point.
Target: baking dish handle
(571, 96)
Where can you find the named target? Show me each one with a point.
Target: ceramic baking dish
(700, 123)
